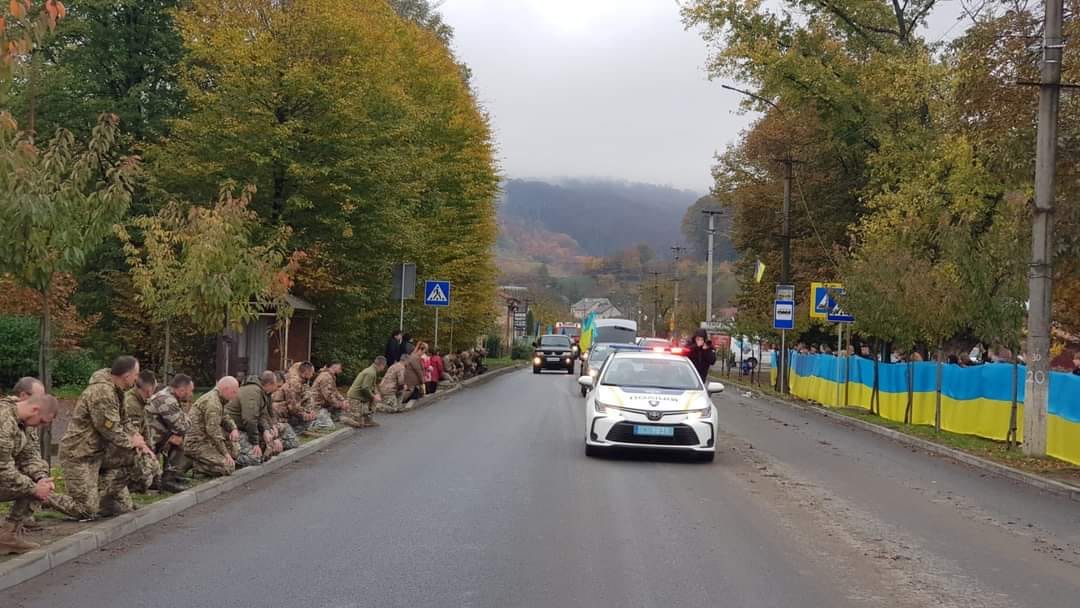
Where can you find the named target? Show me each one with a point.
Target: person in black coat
(393, 349)
(702, 354)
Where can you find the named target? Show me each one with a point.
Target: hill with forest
(600, 217)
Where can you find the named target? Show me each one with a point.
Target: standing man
(702, 354)
(168, 424)
(94, 428)
(208, 443)
(146, 469)
(24, 475)
(250, 413)
(325, 394)
(293, 400)
(393, 350)
(363, 395)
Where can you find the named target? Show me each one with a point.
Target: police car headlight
(606, 409)
(701, 414)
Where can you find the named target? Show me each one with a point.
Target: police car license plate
(654, 431)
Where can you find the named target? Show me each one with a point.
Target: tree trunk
(875, 397)
(1011, 439)
(44, 345)
(910, 392)
(166, 369)
(940, 373)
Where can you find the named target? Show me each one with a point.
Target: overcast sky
(602, 88)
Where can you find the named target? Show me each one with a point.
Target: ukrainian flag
(586, 332)
(759, 271)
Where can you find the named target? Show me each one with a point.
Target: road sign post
(437, 295)
(784, 320)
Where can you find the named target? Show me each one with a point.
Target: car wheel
(536, 370)
(584, 392)
(706, 456)
(570, 370)
(594, 451)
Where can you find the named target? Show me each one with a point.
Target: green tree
(204, 264)
(361, 134)
(57, 204)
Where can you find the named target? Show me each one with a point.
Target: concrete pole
(709, 285)
(1042, 231)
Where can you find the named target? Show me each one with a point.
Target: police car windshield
(640, 372)
(562, 341)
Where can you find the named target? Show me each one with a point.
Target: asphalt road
(487, 499)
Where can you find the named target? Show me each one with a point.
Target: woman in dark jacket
(702, 354)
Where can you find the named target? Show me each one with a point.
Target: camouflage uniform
(165, 418)
(392, 383)
(361, 394)
(94, 428)
(206, 444)
(21, 467)
(452, 372)
(294, 400)
(145, 468)
(250, 412)
(326, 396)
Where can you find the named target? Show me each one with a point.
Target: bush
(493, 346)
(521, 350)
(74, 367)
(18, 349)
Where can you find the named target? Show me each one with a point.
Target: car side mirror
(715, 387)
(586, 381)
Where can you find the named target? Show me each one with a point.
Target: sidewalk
(1065, 480)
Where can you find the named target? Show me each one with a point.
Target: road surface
(487, 500)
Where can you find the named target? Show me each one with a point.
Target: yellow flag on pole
(759, 272)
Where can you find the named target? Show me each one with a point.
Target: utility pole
(709, 286)
(656, 299)
(676, 252)
(1036, 388)
(785, 268)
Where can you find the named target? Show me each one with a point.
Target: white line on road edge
(1036, 481)
(25, 567)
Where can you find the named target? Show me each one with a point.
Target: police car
(643, 399)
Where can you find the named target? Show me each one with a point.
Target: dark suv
(553, 352)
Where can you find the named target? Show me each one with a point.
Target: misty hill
(602, 217)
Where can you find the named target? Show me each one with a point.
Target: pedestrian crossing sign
(437, 293)
(822, 296)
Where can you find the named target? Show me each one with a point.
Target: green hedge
(18, 349)
(74, 368)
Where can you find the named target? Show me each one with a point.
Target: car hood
(553, 349)
(662, 400)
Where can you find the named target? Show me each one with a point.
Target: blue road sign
(437, 293)
(839, 316)
(784, 314)
(824, 298)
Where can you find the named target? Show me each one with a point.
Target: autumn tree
(361, 134)
(205, 264)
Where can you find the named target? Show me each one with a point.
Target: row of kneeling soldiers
(128, 433)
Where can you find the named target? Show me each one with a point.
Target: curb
(25, 567)
(1036, 481)
(475, 381)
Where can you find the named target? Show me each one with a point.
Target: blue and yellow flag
(586, 332)
(759, 271)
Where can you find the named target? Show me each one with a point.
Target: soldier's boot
(368, 421)
(12, 541)
(353, 422)
(173, 483)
